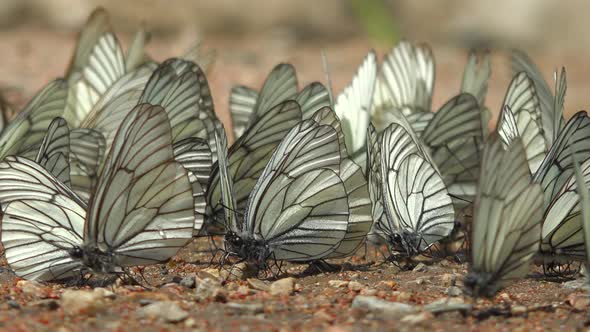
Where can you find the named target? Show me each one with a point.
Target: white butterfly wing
(250, 153)
(557, 166)
(455, 138)
(476, 76)
(142, 211)
(299, 205)
(87, 150)
(522, 100)
(54, 152)
(42, 221)
(353, 105)
(408, 73)
(242, 101)
(562, 234)
(24, 134)
(507, 214)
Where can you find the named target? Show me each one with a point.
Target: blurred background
(37, 38)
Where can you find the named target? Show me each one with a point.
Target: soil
(31, 57)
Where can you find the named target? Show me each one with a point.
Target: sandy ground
(33, 57)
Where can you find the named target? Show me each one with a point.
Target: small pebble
(31, 288)
(167, 311)
(245, 308)
(355, 286)
(284, 286)
(454, 291)
(418, 318)
(188, 282)
(382, 308)
(81, 302)
(421, 267)
(258, 284)
(338, 283)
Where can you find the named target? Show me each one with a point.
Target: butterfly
(299, 208)
(551, 105)
(181, 88)
(506, 225)
(353, 106)
(141, 211)
(530, 112)
(247, 105)
(584, 194)
(412, 207)
(455, 140)
(24, 134)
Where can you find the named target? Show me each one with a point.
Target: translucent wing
(455, 138)
(416, 201)
(353, 105)
(97, 25)
(38, 236)
(374, 173)
(523, 102)
(110, 110)
(299, 205)
(181, 88)
(249, 155)
(408, 74)
(136, 54)
(312, 98)
(142, 211)
(476, 76)
(562, 234)
(42, 221)
(507, 128)
(242, 101)
(419, 121)
(584, 194)
(557, 167)
(506, 228)
(87, 150)
(551, 118)
(280, 85)
(195, 156)
(359, 203)
(24, 134)
(226, 185)
(104, 66)
(54, 152)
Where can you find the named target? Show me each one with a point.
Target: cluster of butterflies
(124, 161)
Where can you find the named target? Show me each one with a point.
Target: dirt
(317, 302)
(32, 57)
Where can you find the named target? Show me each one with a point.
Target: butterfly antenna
(327, 74)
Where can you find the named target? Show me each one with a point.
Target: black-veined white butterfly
(584, 193)
(506, 224)
(353, 107)
(299, 208)
(248, 156)
(140, 213)
(247, 105)
(551, 106)
(24, 134)
(412, 207)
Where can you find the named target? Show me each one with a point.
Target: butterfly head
(480, 284)
(249, 249)
(407, 244)
(95, 259)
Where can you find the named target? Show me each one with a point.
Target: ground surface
(315, 300)
(32, 57)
